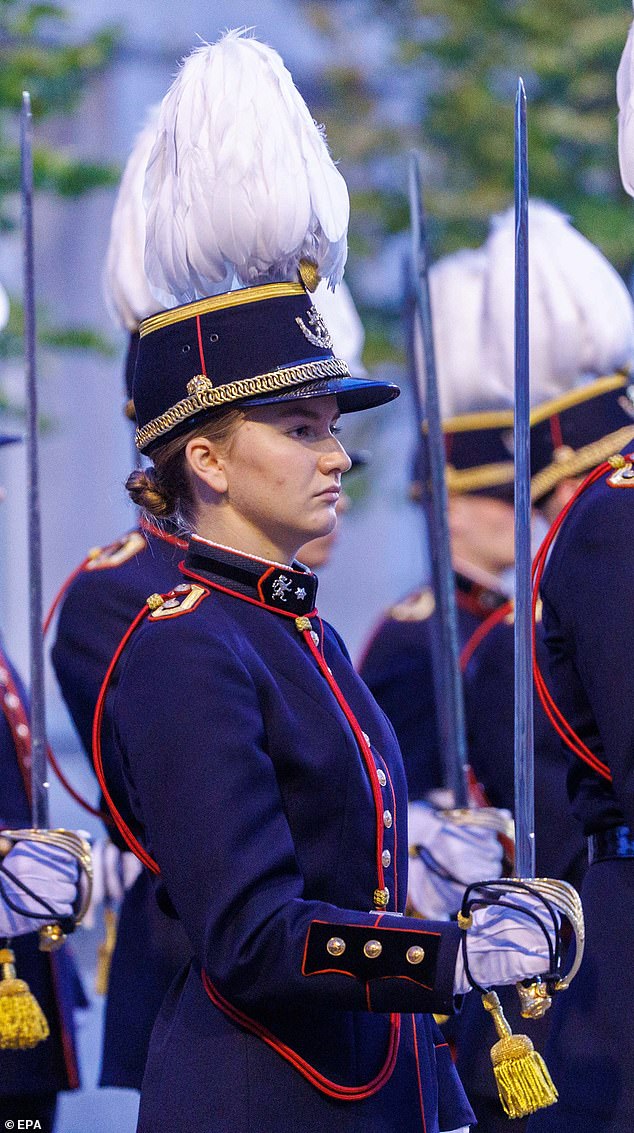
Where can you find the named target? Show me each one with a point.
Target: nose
(335, 458)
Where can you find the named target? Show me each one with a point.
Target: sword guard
(490, 817)
(558, 896)
(52, 936)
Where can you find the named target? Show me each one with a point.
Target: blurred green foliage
(446, 87)
(38, 53)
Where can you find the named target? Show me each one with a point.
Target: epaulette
(416, 607)
(181, 600)
(623, 477)
(123, 549)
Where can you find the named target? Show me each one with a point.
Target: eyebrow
(305, 411)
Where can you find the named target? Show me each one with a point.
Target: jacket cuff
(404, 968)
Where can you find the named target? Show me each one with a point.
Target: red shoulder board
(623, 477)
(181, 600)
(102, 558)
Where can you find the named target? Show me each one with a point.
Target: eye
(335, 430)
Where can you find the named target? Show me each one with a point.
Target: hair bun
(147, 492)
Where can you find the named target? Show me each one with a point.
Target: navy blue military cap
(253, 346)
(478, 455)
(572, 433)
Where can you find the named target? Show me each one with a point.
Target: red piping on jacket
(555, 716)
(323, 1084)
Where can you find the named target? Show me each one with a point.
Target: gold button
(372, 949)
(386, 858)
(387, 819)
(415, 954)
(336, 946)
(381, 776)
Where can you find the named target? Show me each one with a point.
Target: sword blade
(450, 701)
(39, 784)
(523, 738)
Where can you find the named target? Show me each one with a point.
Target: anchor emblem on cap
(319, 335)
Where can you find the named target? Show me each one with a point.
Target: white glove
(462, 1129)
(451, 858)
(505, 946)
(50, 873)
(114, 872)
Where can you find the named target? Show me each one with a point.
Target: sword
(39, 781)
(450, 698)
(524, 749)
(51, 936)
(535, 995)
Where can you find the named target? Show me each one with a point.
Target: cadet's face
(482, 531)
(283, 470)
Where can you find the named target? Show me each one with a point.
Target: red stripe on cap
(203, 364)
(555, 432)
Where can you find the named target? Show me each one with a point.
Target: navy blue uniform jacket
(51, 1065)
(254, 798)
(589, 621)
(98, 607)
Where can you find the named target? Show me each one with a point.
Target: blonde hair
(166, 490)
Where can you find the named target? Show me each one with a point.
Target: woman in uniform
(266, 784)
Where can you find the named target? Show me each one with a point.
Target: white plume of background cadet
(625, 99)
(581, 317)
(455, 284)
(240, 185)
(125, 285)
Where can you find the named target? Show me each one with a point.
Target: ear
(206, 460)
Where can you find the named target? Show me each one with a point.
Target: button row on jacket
(373, 949)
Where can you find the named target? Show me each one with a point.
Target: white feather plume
(581, 317)
(240, 185)
(125, 286)
(625, 99)
(456, 291)
(340, 315)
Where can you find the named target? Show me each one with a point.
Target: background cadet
(98, 606)
(581, 348)
(588, 625)
(30, 1080)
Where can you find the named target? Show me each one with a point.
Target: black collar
(287, 590)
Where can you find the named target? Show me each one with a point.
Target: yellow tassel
(22, 1021)
(105, 950)
(522, 1077)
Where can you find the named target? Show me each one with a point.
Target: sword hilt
(53, 934)
(557, 897)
